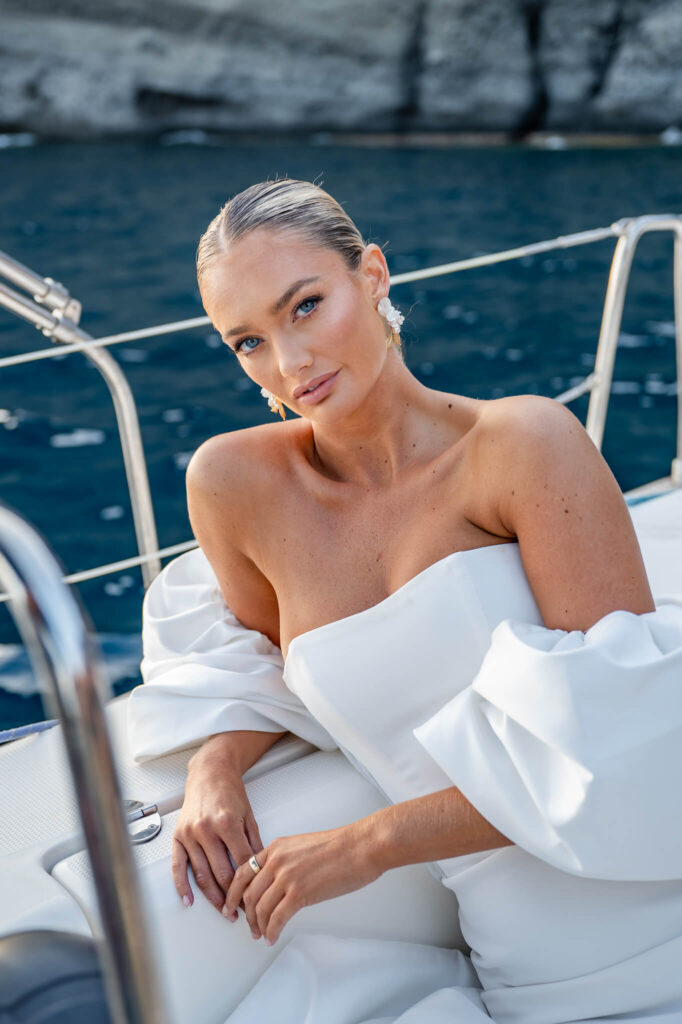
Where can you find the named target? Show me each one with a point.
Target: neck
(390, 430)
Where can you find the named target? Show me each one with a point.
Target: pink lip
(315, 382)
(323, 386)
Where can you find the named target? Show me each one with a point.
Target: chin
(336, 413)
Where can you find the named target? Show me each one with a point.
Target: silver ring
(253, 864)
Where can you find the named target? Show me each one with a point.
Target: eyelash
(311, 298)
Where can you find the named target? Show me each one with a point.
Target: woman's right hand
(216, 818)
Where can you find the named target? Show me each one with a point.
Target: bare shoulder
(229, 488)
(233, 460)
(540, 443)
(553, 490)
(534, 426)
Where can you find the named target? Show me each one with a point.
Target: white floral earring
(275, 405)
(393, 317)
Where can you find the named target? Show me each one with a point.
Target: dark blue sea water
(118, 224)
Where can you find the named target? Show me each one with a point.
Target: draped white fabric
(204, 672)
(321, 979)
(570, 743)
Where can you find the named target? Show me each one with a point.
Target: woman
(375, 512)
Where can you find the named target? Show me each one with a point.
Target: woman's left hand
(297, 871)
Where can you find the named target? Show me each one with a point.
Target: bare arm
(433, 827)
(237, 750)
(227, 491)
(556, 494)
(216, 818)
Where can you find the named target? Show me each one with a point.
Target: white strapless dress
(569, 743)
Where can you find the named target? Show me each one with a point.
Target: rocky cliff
(139, 66)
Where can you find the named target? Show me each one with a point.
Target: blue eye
(240, 344)
(312, 301)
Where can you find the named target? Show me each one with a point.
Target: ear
(374, 271)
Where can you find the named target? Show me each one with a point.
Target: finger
(254, 896)
(203, 875)
(219, 862)
(282, 913)
(265, 906)
(253, 835)
(239, 845)
(244, 878)
(179, 861)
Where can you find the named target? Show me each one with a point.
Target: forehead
(259, 267)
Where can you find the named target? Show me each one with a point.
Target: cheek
(350, 325)
(252, 372)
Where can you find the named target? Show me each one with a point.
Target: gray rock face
(644, 82)
(477, 67)
(137, 66)
(221, 65)
(615, 65)
(576, 44)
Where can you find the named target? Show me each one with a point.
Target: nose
(293, 356)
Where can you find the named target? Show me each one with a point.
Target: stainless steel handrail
(630, 231)
(53, 628)
(61, 324)
(44, 290)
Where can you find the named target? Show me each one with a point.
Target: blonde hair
(283, 204)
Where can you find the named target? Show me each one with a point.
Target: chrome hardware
(144, 821)
(60, 324)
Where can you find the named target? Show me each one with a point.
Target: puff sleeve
(204, 672)
(570, 743)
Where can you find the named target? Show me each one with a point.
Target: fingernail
(229, 914)
(255, 934)
(187, 901)
(269, 942)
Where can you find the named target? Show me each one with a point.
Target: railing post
(53, 628)
(133, 458)
(612, 317)
(631, 230)
(61, 325)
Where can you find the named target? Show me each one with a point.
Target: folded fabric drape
(570, 743)
(204, 672)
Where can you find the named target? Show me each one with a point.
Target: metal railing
(630, 231)
(52, 626)
(61, 325)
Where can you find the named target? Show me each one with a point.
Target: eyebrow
(277, 306)
(289, 294)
